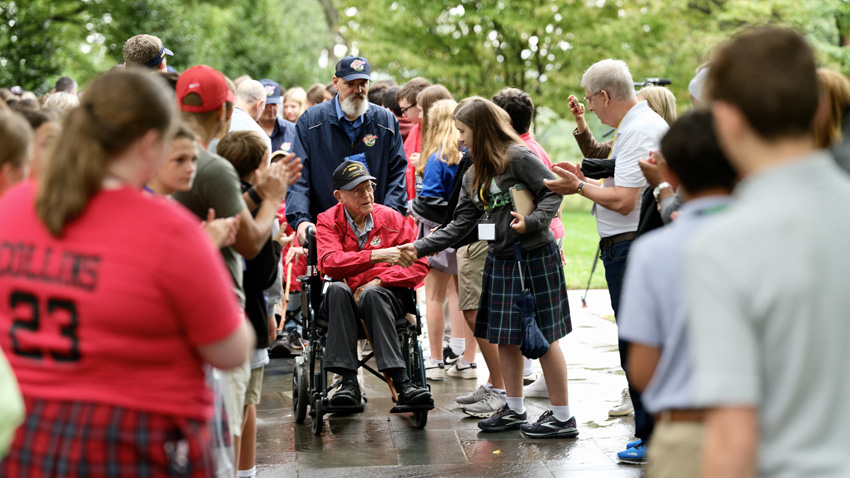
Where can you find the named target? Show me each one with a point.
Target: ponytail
(118, 109)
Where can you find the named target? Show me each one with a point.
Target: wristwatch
(657, 191)
(579, 190)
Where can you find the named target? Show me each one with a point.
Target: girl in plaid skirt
(501, 161)
(111, 301)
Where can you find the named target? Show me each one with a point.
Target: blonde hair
(16, 138)
(425, 99)
(128, 105)
(442, 135)
(835, 90)
(63, 100)
(298, 95)
(661, 100)
(492, 135)
(139, 49)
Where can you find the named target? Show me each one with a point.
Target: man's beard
(355, 106)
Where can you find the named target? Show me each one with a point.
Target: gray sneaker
(475, 396)
(487, 406)
(504, 419)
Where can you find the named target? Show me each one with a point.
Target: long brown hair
(442, 135)
(492, 135)
(119, 108)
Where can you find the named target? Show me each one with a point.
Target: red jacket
(413, 144)
(340, 258)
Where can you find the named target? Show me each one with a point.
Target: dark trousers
(614, 260)
(379, 309)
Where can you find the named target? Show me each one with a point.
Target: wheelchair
(310, 387)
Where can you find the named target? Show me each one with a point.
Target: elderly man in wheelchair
(356, 246)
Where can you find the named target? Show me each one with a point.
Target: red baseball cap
(206, 82)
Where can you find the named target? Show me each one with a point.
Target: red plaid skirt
(82, 439)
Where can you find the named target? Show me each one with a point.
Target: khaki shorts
(255, 386)
(675, 450)
(470, 273)
(235, 387)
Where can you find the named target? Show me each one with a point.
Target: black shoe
(449, 357)
(293, 341)
(410, 394)
(348, 395)
(504, 419)
(547, 426)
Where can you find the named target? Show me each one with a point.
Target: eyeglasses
(588, 98)
(404, 110)
(363, 192)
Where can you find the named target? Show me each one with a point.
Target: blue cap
(353, 68)
(157, 59)
(272, 91)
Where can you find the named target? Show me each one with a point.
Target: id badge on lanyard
(486, 230)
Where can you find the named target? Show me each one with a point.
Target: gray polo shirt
(769, 314)
(652, 308)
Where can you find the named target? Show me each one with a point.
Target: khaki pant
(675, 450)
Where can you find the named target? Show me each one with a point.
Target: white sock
(247, 473)
(457, 345)
(488, 386)
(499, 390)
(561, 413)
(529, 367)
(434, 361)
(463, 363)
(515, 404)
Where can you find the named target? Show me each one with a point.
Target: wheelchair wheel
(299, 392)
(318, 418)
(420, 419)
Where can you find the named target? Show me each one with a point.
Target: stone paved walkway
(377, 444)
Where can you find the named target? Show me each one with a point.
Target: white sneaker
(457, 370)
(473, 397)
(537, 389)
(435, 371)
(488, 406)
(624, 407)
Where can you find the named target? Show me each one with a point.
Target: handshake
(404, 255)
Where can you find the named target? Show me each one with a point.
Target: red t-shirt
(112, 311)
(413, 144)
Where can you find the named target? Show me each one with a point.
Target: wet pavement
(378, 444)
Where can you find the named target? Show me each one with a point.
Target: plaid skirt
(544, 276)
(82, 439)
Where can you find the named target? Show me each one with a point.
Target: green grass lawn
(580, 243)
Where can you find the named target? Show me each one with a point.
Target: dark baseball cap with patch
(353, 68)
(349, 174)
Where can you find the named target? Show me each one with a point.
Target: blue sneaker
(633, 444)
(635, 455)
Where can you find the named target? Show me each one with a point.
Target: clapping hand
(222, 232)
(570, 178)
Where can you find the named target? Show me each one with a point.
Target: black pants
(379, 308)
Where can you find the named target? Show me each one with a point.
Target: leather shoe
(410, 394)
(348, 395)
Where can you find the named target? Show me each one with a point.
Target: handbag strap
(518, 257)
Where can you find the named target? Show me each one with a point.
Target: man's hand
(573, 168)
(569, 182)
(651, 168)
(301, 233)
(410, 248)
(372, 283)
(293, 254)
(222, 232)
(282, 239)
(518, 224)
(577, 109)
(392, 255)
(271, 184)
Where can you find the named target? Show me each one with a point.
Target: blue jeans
(614, 260)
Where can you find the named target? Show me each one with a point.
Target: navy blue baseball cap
(353, 68)
(157, 59)
(349, 174)
(272, 91)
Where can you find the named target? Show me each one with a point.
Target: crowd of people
(147, 248)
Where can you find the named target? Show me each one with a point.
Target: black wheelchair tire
(299, 393)
(318, 416)
(420, 419)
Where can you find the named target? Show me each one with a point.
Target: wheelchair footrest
(343, 410)
(413, 408)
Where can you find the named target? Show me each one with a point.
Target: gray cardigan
(523, 167)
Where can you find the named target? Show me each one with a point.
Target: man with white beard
(346, 128)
